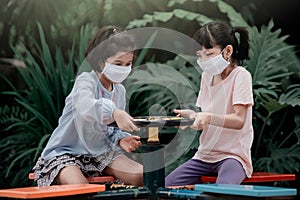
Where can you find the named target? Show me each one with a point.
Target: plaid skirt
(46, 171)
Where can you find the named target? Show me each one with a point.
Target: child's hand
(201, 121)
(185, 113)
(130, 143)
(124, 121)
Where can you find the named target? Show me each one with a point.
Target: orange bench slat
(257, 177)
(51, 191)
(98, 179)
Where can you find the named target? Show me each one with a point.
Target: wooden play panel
(51, 191)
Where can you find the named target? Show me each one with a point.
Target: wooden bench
(51, 191)
(257, 177)
(98, 179)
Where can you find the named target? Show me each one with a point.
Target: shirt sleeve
(85, 103)
(117, 135)
(202, 88)
(242, 92)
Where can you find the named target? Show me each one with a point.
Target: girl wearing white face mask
(83, 144)
(226, 101)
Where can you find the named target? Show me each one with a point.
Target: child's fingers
(135, 128)
(182, 127)
(136, 137)
(135, 143)
(195, 125)
(178, 112)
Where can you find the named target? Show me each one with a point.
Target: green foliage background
(52, 43)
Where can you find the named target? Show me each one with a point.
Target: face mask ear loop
(228, 60)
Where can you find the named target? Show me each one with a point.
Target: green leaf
(162, 16)
(271, 104)
(174, 2)
(19, 157)
(40, 146)
(235, 17)
(140, 22)
(181, 13)
(144, 52)
(292, 96)
(281, 160)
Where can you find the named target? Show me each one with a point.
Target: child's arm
(124, 120)
(234, 120)
(87, 106)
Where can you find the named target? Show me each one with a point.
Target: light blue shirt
(82, 127)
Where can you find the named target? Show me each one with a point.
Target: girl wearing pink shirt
(226, 101)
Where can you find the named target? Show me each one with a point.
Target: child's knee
(231, 172)
(137, 179)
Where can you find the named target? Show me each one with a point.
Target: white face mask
(214, 66)
(116, 73)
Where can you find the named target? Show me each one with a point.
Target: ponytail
(241, 49)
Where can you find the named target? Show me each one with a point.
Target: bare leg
(71, 175)
(127, 170)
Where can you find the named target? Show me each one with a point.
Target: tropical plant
(62, 20)
(48, 79)
(277, 94)
(18, 20)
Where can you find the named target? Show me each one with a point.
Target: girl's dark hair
(107, 42)
(219, 33)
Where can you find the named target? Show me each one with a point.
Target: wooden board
(257, 177)
(51, 191)
(246, 190)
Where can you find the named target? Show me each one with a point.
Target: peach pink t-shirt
(218, 143)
